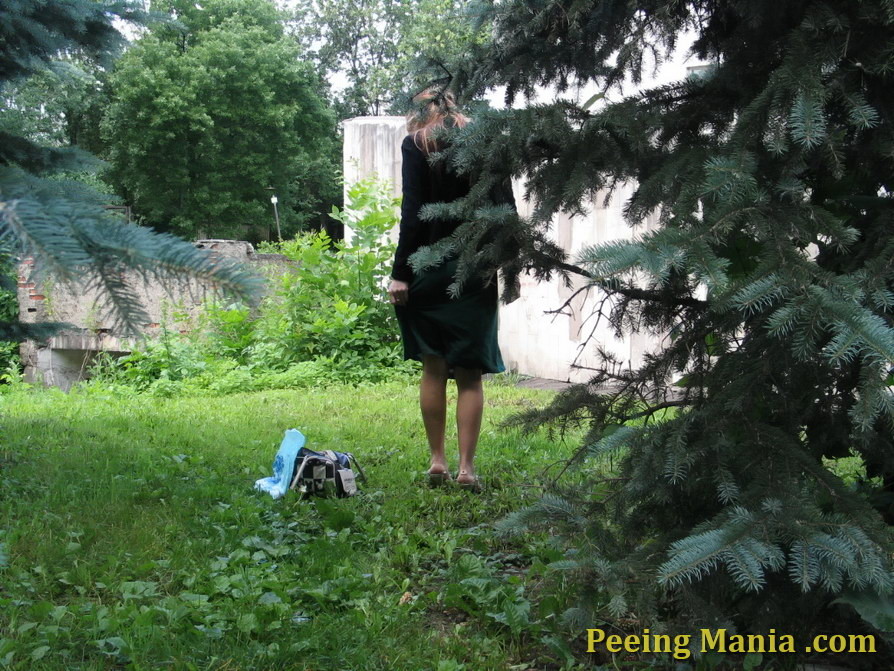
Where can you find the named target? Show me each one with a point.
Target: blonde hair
(423, 120)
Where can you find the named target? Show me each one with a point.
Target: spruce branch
(613, 287)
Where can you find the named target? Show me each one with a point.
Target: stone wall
(67, 356)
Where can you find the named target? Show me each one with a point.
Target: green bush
(326, 318)
(331, 304)
(10, 363)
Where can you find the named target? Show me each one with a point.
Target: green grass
(132, 537)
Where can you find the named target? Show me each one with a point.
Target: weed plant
(9, 311)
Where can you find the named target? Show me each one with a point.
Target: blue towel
(283, 465)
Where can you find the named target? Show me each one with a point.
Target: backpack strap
(298, 472)
(353, 460)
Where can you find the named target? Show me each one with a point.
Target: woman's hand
(398, 292)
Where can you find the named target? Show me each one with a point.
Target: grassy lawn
(132, 537)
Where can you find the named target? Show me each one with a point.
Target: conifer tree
(62, 224)
(772, 271)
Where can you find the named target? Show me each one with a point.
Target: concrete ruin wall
(532, 341)
(65, 359)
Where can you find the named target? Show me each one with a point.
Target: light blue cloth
(283, 465)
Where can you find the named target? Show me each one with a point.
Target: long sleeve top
(422, 184)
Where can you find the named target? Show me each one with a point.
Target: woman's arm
(414, 173)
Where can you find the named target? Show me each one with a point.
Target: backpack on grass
(326, 473)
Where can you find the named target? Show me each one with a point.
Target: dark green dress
(461, 330)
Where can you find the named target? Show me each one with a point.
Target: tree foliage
(61, 223)
(377, 46)
(56, 107)
(770, 271)
(213, 111)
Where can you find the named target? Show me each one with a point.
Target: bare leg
(433, 403)
(469, 409)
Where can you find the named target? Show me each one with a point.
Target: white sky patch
(675, 68)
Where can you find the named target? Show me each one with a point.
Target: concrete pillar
(372, 148)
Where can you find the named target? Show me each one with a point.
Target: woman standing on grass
(452, 337)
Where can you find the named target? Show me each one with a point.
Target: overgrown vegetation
(376, 45)
(9, 312)
(770, 269)
(325, 318)
(216, 106)
(61, 222)
(210, 111)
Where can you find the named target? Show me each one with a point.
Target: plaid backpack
(325, 473)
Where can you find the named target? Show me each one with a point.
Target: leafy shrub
(9, 310)
(324, 319)
(332, 303)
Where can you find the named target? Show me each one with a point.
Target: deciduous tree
(213, 115)
(378, 46)
(62, 224)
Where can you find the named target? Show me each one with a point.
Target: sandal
(438, 478)
(470, 483)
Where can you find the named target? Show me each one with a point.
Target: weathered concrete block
(66, 357)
